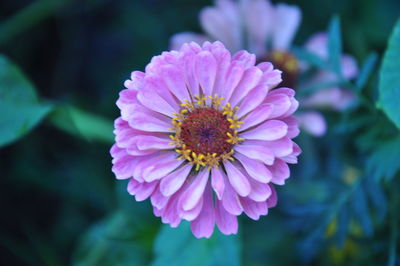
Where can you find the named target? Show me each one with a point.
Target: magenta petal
(175, 81)
(177, 40)
(280, 172)
(123, 163)
(152, 142)
(269, 130)
(254, 168)
(293, 128)
(252, 100)
(174, 181)
(194, 192)
(230, 200)
(249, 80)
(141, 191)
(193, 213)
(155, 102)
(158, 200)
(280, 147)
(254, 209)
(203, 225)
(312, 122)
(257, 116)
(161, 169)
(217, 181)
(259, 191)
(246, 58)
(256, 152)
(226, 222)
(237, 179)
(280, 103)
(273, 199)
(206, 68)
(233, 77)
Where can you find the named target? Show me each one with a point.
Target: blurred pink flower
(247, 24)
(331, 98)
(205, 136)
(268, 30)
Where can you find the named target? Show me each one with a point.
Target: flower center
(205, 132)
(287, 63)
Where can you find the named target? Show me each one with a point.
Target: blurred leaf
(366, 70)
(384, 160)
(111, 242)
(335, 46)
(83, 124)
(360, 209)
(309, 57)
(178, 246)
(389, 78)
(19, 105)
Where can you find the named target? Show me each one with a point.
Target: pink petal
(237, 179)
(158, 200)
(312, 122)
(217, 181)
(273, 199)
(123, 163)
(257, 116)
(174, 181)
(246, 58)
(226, 222)
(141, 191)
(258, 18)
(203, 225)
(259, 191)
(293, 127)
(250, 79)
(206, 68)
(318, 44)
(269, 130)
(152, 142)
(233, 77)
(222, 24)
(230, 200)
(349, 66)
(280, 172)
(287, 19)
(254, 209)
(280, 103)
(155, 102)
(136, 81)
(254, 168)
(223, 58)
(161, 169)
(191, 196)
(175, 81)
(252, 100)
(256, 152)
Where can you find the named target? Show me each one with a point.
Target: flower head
(205, 136)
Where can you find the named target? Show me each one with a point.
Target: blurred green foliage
(61, 204)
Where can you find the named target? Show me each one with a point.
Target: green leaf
(366, 70)
(389, 78)
(83, 124)
(310, 58)
(178, 247)
(384, 160)
(113, 241)
(335, 46)
(20, 107)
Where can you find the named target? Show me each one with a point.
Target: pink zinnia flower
(205, 136)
